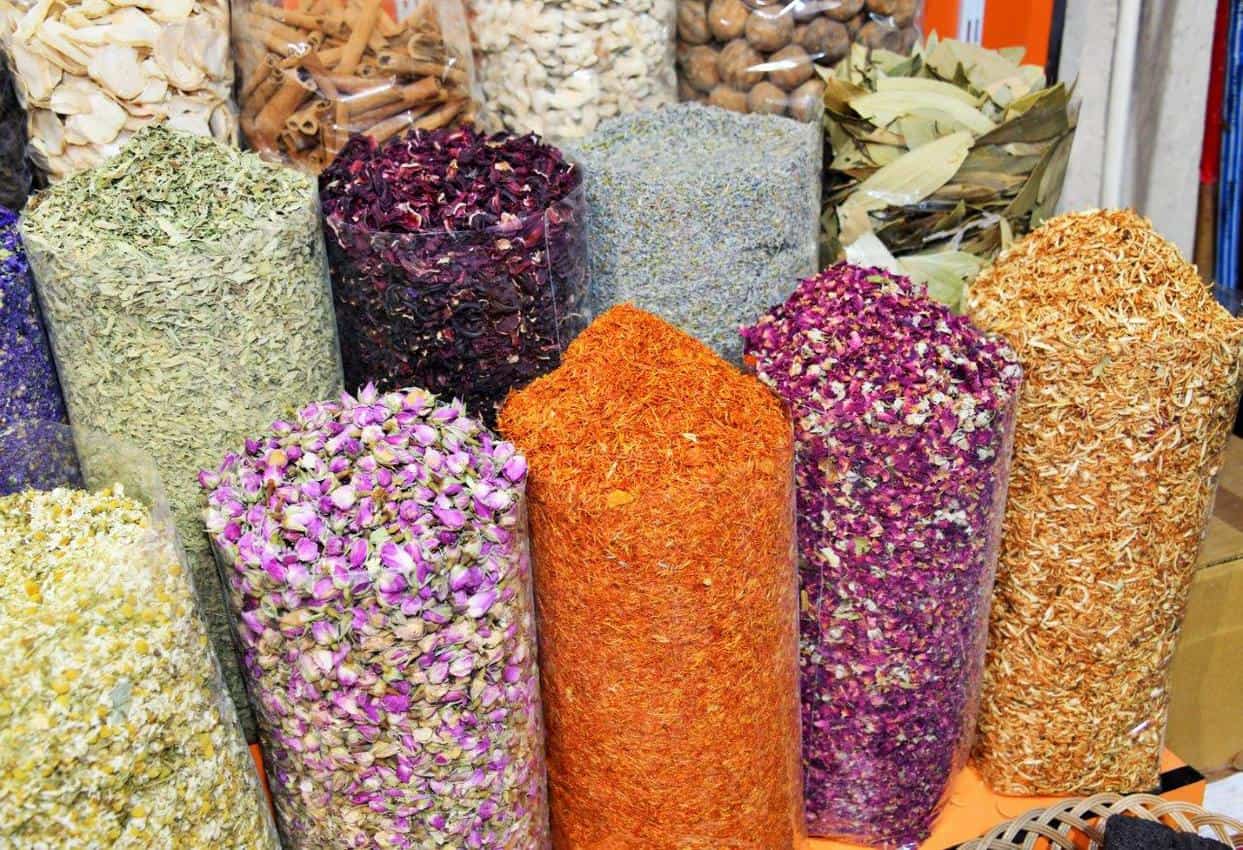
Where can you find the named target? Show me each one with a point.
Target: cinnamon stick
(353, 50)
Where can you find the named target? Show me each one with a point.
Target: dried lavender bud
(706, 241)
(459, 261)
(375, 552)
(16, 177)
(903, 418)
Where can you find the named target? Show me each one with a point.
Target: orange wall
(1006, 23)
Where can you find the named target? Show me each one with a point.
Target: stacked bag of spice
(459, 261)
(16, 178)
(766, 55)
(314, 72)
(376, 558)
(186, 294)
(662, 523)
(1133, 380)
(903, 418)
(114, 728)
(701, 216)
(560, 67)
(91, 74)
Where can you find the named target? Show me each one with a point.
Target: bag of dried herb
(903, 416)
(459, 261)
(114, 728)
(186, 294)
(376, 558)
(1133, 379)
(662, 522)
(16, 178)
(705, 217)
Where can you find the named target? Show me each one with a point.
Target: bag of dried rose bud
(763, 55)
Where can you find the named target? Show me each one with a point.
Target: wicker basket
(1080, 824)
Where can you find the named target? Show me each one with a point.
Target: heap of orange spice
(661, 513)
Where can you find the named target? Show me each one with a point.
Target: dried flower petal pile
(902, 415)
(1133, 379)
(459, 261)
(376, 557)
(114, 730)
(186, 294)
(661, 519)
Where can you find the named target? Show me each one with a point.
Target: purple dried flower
(903, 416)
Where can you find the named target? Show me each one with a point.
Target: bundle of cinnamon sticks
(314, 72)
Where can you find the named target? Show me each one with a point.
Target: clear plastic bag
(470, 313)
(314, 72)
(761, 55)
(91, 75)
(386, 625)
(662, 521)
(116, 728)
(903, 419)
(16, 179)
(560, 67)
(185, 339)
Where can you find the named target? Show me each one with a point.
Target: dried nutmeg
(807, 101)
(795, 67)
(693, 22)
(727, 98)
(686, 93)
(736, 62)
(699, 68)
(727, 19)
(845, 10)
(826, 40)
(855, 24)
(882, 7)
(904, 12)
(876, 34)
(766, 99)
(805, 11)
(770, 29)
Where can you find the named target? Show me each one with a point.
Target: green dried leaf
(1045, 117)
(885, 108)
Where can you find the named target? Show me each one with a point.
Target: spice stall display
(768, 56)
(91, 74)
(459, 261)
(939, 159)
(16, 178)
(661, 501)
(186, 295)
(313, 73)
(114, 728)
(1133, 375)
(705, 217)
(560, 67)
(376, 557)
(903, 417)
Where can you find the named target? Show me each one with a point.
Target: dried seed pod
(769, 29)
(879, 35)
(693, 22)
(845, 10)
(766, 99)
(826, 41)
(737, 62)
(700, 70)
(728, 98)
(807, 101)
(795, 68)
(727, 19)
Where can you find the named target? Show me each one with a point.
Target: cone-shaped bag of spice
(1133, 379)
(114, 727)
(903, 418)
(376, 558)
(186, 294)
(662, 524)
(459, 261)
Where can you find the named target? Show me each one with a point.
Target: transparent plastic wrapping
(384, 614)
(29, 388)
(662, 522)
(703, 217)
(469, 313)
(116, 728)
(1133, 375)
(314, 72)
(763, 55)
(560, 67)
(188, 338)
(903, 438)
(91, 74)
(16, 178)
